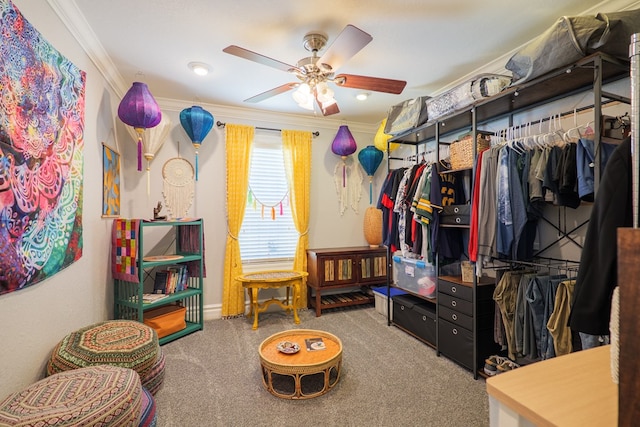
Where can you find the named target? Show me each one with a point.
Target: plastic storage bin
(380, 294)
(415, 276)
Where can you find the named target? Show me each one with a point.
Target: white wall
(36, 318)
(327, 227)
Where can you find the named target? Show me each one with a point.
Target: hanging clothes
(558, 321)
(476, 201)
(585, 157)
(597, 274)
(487, 213)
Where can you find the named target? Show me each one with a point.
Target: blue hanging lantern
(139, 110)
(370, 158)
(196, 122)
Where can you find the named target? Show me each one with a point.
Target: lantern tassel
(196, 165)
(139, 154)
(344, 174)
(370, 190)
(148, 183)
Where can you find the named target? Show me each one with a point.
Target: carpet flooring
(388, 378)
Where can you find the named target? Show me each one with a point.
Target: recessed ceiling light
(200, 68)
(362, 96)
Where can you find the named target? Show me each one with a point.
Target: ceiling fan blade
(273, 92)
(328, 109)
(375, 84)
(260, 59)
(349, 42)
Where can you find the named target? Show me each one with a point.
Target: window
(261, 237)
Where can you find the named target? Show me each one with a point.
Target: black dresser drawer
(456, 343)
(415, 316)
(456, 318)
(454, 303)
(455, 289)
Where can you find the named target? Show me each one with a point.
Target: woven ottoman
(123, 343)
(94, 396)
(148, 416)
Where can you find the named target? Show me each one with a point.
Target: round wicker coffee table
(309, 372)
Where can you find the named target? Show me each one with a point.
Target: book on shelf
(171, 279)
(315, 344)
(149, 298)
(160, 282)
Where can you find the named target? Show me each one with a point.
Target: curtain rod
(221, 125)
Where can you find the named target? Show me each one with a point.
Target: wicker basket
(467, 271)
(461, 151)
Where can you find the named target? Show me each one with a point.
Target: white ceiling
(428, 43)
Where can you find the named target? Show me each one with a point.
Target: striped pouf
(148, 417)
(93, 396)
(123, 343)
(155, 377)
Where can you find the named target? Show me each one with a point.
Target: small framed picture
(110, 182)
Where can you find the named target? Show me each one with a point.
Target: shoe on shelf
(507, 365)
(491, 364)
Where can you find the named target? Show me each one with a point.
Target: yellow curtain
(238, 143)
(297, 164)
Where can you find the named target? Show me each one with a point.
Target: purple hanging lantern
(196, 122)
(343, 145)
(139, 110)
(370, 158)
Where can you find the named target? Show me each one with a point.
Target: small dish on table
(288, 347)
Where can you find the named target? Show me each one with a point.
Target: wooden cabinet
(128, 296)
(333, 271)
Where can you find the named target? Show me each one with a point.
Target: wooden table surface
(302, 358)
(571, 390)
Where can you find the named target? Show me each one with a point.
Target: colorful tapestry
(124, 249)
(41, 155)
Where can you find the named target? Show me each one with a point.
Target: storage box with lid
(381, 296)
(416, 316)
(166, 319)
(414, 275)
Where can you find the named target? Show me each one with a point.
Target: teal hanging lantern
(196, 122)
(370, 158)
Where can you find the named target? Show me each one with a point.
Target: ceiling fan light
(301, 97)
(307, 105)
(324, 93)
(304, 88)
(362, 96)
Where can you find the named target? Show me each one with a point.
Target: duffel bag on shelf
(406, 115)
(568, 40)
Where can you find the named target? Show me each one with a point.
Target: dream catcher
(178, 186)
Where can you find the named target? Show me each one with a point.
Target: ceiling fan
(315, 71)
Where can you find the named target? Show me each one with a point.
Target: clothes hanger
(567, 135)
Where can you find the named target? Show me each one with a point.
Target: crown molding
(76, 23)
(74, 20)
(268, 118)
